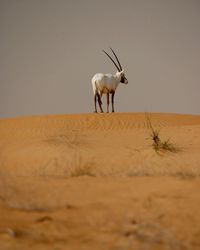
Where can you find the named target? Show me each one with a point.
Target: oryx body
(107, 84)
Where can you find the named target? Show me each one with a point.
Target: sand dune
(94, 181)
(113, 144)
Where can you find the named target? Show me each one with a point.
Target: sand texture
(94, 181)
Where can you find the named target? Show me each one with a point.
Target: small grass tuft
(82, 170)
(82, 167)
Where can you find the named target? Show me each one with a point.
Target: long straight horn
(116, 59)
(112, 60)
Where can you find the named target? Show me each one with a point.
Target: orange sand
(93, 181)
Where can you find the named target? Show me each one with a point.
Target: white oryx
(107, 84)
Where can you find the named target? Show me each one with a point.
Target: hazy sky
(50, 50)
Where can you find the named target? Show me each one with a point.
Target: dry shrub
(71, 139)
(158, 144)
(24, 193)
(152, 236)
(82, 167)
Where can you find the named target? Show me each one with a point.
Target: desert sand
(94, 181)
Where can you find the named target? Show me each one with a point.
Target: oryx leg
(113, 94)
(100, 102)
(108, 102)
(95, 103)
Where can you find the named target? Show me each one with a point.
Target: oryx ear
(122, 71)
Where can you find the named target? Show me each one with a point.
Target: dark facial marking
(122, 79)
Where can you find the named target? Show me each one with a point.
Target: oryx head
(119, 67)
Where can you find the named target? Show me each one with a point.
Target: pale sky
(50, 50)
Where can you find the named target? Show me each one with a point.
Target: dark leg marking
(95, 103)
(100, 102)
(113, 94)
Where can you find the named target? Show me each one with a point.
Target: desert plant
(15, 193)
(158, 144)
(82, 170)
(81, 167)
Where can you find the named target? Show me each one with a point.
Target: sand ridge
(101, 121)
(112, 144)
